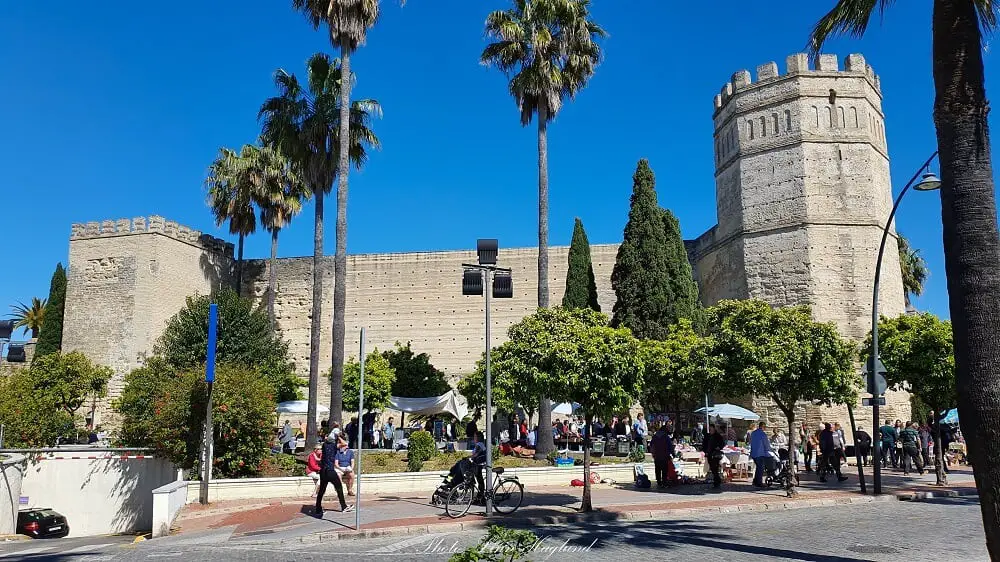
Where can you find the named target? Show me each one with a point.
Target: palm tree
(548, 49)
(914, 269)
(231, 198)
(304, 123)
(348, 22)
(969, 217)
(278, 193)
(29, 317)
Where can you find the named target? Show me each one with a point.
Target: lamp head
(929, 182)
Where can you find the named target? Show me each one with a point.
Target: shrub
(422, 445)
(243, 409)
(414, 464)
(499, 544)
(379, 459)
(244, 338)
(281, 465)
(637, 455)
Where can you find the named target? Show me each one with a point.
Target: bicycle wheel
(507, 496)
(459, 500)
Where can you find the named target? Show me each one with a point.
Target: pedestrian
(470, 434)
(925, 443)
(352, 432)
(887, 434)
(388, 434)
(712, 447)
(313, 467)
(760, 451)
(909, 439)
(812, 450)
(698, 434)
(328, 475)
(863, 441)
(778, 440)
(640, 429)
(287, 438)
(344, 465)
(663, 453)
(828, 441)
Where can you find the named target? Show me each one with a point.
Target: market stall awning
(448, 403)
(565, 408)
(728, 412)
(300, 407)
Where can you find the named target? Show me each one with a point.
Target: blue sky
(117, 113)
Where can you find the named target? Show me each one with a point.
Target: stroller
(460, 472)
(777, 469)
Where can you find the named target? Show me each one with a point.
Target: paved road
(948, 529)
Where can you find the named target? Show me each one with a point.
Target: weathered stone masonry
(802, 192)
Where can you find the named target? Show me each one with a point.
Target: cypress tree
(641, 275)
(581, 286)
(682, 284)
(50, 338)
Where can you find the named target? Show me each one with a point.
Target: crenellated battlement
(797, 65)
(152, 224)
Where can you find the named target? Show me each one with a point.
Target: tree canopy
(683, 289)
(379, 377)
(581, 286)
(30, 317)
(679, 369)
(416, 377)
(244, 337)
(50, 335)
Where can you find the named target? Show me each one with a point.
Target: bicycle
(506, 493)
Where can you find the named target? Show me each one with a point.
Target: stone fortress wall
(125, 279)
(802, 191)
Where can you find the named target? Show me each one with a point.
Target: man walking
(327, 475)
(831, 456)
(640, 429)
(698, 435)
(760, 451)
(663, 452)
(712, 447)
(287, 438)
(388, 434)
(888, 436)
(910, 439)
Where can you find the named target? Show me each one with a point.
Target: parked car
(40, 523)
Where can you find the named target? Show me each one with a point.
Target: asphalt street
(945, 529)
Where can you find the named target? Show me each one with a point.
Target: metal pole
(206, 476)
(878, 271)
(488, 288)
(706, 414)
(1, 435)
(361, 425)
(857, 450)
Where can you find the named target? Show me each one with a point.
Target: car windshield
(36, 514)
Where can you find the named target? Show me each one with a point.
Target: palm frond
(847, 17)
(30, 317)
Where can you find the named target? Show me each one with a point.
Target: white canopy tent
(729, 412)
(301, 407)
(565, 409)
(448, 403)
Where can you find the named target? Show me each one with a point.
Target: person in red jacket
(312, 467)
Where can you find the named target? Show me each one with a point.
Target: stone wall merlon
(143, 225)
(826, 65)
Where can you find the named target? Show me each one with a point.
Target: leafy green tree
(379, 377)
(680, 369)
(682, 285)
(39, 404)
(919, 356)
(309, 125)
(50, 335)
(581, 286)
(242, 417)
(508, 391)
(244, 338)
(641, 277)
(913, 267)
(137, 403)
(29, 317)
(231, 193)
(416, 377)
(548, 49)
(968, 214)
(600, 368)
(784, 355)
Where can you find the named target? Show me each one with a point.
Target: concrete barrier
(167, 503)
(99, 490)
(407, 482)
(11, 474)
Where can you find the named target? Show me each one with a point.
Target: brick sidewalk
(410, 514)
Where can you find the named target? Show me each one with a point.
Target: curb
(12, 538)
(636, 515)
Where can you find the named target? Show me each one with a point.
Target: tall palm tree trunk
(544, 442)
(340, 258)
(971, 243)
(272, 282)
(316, 322)
(239, 265)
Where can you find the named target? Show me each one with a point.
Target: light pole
(499, 280)
(876, 383)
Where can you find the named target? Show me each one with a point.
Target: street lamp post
(487, 274)
(928, 182)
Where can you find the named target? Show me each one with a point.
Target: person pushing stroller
(461, 469)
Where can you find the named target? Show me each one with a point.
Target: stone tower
(803, 192)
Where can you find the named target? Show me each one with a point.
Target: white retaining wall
(11, 474)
